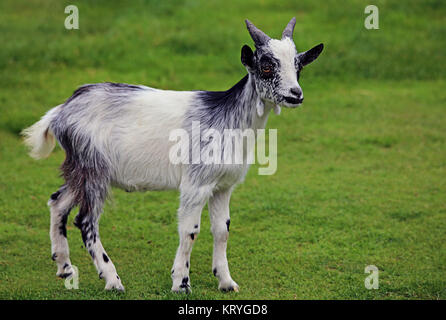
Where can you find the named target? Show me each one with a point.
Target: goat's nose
(297, 92)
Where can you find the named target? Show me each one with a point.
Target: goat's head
(275, 65)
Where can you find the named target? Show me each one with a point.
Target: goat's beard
(277, 109)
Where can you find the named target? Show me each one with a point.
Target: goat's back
(129, 127)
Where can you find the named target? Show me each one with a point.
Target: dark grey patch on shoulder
(219, 110)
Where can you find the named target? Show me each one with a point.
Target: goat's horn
(288, 32)
(257, 35)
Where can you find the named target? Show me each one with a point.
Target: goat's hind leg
(87, 221)
(61, 203)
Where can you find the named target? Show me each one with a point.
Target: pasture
(361, 165)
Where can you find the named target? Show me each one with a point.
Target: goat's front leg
(219, 212)
(189, 214)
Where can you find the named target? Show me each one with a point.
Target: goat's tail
(39, 138)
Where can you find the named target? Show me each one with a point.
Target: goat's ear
(247, 57)
(310, 55)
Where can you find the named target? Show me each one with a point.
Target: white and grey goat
(117, 134)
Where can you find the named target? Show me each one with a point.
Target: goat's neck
(250, 101)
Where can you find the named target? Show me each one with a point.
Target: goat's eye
(266, 69)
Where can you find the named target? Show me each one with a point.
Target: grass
(361, 166)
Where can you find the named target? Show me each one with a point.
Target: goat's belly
(137, 177)
(146, 168)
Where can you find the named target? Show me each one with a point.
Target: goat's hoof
(65, 271)
(182, 289)
(231, 286)
(115, 285)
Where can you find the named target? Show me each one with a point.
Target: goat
(117, 134)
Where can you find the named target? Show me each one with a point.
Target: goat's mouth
(292, 102)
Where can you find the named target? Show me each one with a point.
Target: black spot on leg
(63, 230)
(215, 272)
(192, 236)
(117, 277)
(65, 275)
(228, 222)
(78, 224)
(88, 232)
(100, 275)
(104, 256)
(184, 282)
(63, 224)
(53, 257)
(55, 195)
(91, 252)
(196, 226)
(187, 264)
(65, 265)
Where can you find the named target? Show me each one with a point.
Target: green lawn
(361, 166)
